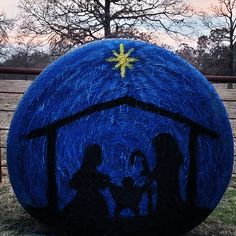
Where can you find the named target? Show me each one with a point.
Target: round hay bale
(120, 137)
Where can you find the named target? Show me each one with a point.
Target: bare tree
(73, 22)
(223, 24)
(4, 26)
(187, 52)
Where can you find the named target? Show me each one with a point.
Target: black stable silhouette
(88, 180)
(50, 131)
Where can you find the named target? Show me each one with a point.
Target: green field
(15, 221)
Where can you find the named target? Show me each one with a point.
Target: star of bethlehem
(122, 59)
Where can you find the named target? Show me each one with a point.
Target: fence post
(0, 161)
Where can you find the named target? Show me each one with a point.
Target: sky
(202, 3)
(11, 9)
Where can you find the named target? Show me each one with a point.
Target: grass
(222, 222)
(14, 221)
(226, 211)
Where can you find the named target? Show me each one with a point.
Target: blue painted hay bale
(119, 137)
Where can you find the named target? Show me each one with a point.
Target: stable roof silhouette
(125, 100)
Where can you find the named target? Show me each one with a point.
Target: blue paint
(83, 78)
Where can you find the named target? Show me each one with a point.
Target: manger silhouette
(50, 131)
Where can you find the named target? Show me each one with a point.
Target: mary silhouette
(89, 206)
(170, 208)
(165, 174)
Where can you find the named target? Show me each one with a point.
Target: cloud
(205, 4)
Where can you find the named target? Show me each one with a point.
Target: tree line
(46, 29)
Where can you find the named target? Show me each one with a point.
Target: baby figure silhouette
(127, 196)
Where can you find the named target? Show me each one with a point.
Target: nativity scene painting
(102, 180)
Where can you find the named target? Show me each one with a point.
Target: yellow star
(123, 60)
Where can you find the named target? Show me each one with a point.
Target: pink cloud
(204, 4)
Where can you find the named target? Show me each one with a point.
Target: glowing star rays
(123, 60)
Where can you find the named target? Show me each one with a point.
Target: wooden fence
(12, 90)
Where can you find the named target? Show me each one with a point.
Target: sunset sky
(10, 6)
